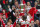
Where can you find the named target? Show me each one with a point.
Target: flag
(32, 11)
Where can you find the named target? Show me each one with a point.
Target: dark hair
(9, 18)
(24, 17)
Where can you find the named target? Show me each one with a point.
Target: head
(8, 6)
(4, 16)
(28, 4)
(24, 17)
(4, 11)
(13, 7)
(37, 21)
(8, 24)
(10, 20)
(36, 3)
(17, 25)
(7, 2)
(16, 3)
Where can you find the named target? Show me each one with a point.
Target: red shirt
(6, 14)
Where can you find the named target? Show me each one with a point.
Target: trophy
(22, 6)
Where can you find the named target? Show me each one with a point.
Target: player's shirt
(32, 11)
(24, 23)
(29, 19)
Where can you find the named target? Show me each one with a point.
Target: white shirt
(28, 18)
(10, 9)
(28, 8)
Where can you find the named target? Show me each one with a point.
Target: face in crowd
(28, 3)
(4, 16)
(3, 11)
(37, 21)
(8, 6)
(8, 24)
(16, 3)
(36, 3)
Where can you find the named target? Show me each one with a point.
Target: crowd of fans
(19, 13)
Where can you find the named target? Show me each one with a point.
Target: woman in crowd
(4, 13)
(28, 6)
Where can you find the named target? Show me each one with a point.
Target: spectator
(10, 2)
(13, 7)
(16, 4)
(7, 2)
(6, 5)
(8, 24)
(17, 25)
(4, 12)
(4, 19)
(13, 16)
(28, 7)
(36, 4)
(9, 20)
(37, 23)
(9, 9)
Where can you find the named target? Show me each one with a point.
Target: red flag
(32, 11)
